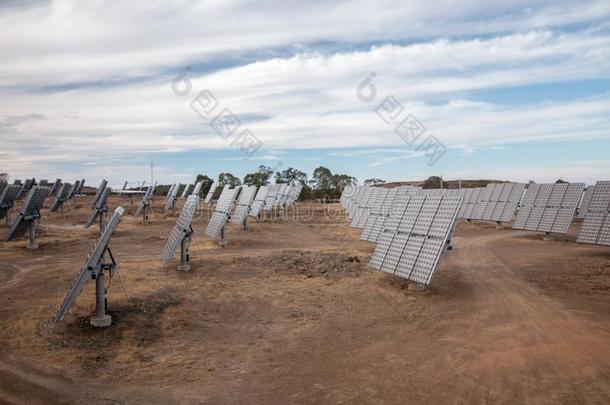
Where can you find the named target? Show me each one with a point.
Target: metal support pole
(101, 319)
(184, 254)
(499, 225)
(223, 237)
(33, 244)
(8, 216)
(61, 211)
(174, 207)
(245, 224)
(145, 214)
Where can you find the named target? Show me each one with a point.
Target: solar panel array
(221, 211)
(185, 191)
(246, 197)
(61, 197)
(259, 201)
(586, 200)
(362, 205)
(27, 186)
(7, 198)
(415, 236)
(92, 266)
(210, 195)
(182, 228)
(596, 226)
(29, 212)
(549, 207)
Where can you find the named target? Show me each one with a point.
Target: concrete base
(32, 246)
(101, 321)
(183, 267)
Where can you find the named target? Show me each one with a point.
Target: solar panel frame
(100, 207)
(171, 197)
(272, 193)
(91, 267)
(221, 211)
(30, 211)
(246, 198)
(9, 195)
(145, 202)
(182, 228)
(210, 194)
(61, 197)
(259, 201)
(413, 248)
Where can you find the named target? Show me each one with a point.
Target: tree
(207, 183)
(291, 176)
(560, 181)
(432, 182)
(228, 178)
(322, 179)
(259, 178)
(340, 181)
(373, 182)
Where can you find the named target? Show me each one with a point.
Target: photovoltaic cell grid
(181, 227)
(7, 198)
(596, 226)
(376, 197)
(210, 195)
(29, 212)
(549, 207)
(61, 197)
(221, 211)
(362, 205)
(185, 191)
(415, 236)
(271, 196)
(56, 187)
(496, 202)
(374, 222)
(259, 201)
(246, 197)
(355, 202)
(586, 200)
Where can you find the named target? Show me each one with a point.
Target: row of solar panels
(404, 221)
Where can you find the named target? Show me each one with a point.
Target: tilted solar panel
(595, 228)
(100, 207)
(181, 229)
(221, 211)
(210, 194)
(415, 236)
(246, 198)
(61, 197)
(9, 194)
(29, 212)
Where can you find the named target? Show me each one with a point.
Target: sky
(394, 90)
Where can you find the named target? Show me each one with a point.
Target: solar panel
(221, 212)
(595, 228)
(549, 207)
(171, 197)
(382, 204)
(18, 182)
(74, 189)
(56, 186)
(94, 269)
(181, 233)
(61, 197)
(29, 213)
(99, 209)
(145, 203)
(27, 186)
(362, 205)
(246, 197)
(415, 236)
(44, 182)
(185, 191)
(99, 191)
(81, 186)
(210, 194)
(586, 200)
(7, 199)
(197, 188)
(259, 201)
(272, 193)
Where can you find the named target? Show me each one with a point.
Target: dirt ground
(290, 313)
